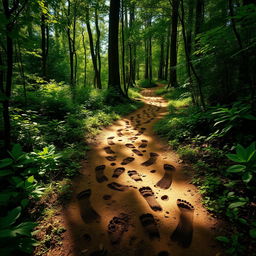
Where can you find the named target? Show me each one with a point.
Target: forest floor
(134, 196)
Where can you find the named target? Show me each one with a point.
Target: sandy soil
(134, 198)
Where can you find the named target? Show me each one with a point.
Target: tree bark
(167, 52)
(113, 56)
(161, 60)
(173, 50)
(85, 58)
(97, 49)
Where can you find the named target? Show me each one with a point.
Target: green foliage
(246, 167)
(188, 153)
(147, 84)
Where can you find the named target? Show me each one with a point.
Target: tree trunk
(173, 50)
(123, 49)
(98, 49)
(113, 56)
(43, 44)
(167, 53)
(85, 58)
(161, 60)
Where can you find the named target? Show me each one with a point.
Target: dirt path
(133, 198)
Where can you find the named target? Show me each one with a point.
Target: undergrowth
(226, 181)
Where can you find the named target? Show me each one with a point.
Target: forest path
(134, 198)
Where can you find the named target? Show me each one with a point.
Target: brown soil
(123, 222)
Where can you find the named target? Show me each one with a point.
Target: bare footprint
(87, 212)
(119, 133)
(149, 196)
(117, 226)
(110, 140)
(184, 231)
(134, 175)
(137, 152)
(152, 159)
(127, 160)
(129, 145)
(166, 180)
(99, 171)
(150, 226)
(111, 158)
(165, 198)
(117, 186)
(118, 171)
(108, 150)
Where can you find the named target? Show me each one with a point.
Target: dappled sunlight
(113, 196)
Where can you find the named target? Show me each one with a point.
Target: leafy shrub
(146, 83)
(188, 153)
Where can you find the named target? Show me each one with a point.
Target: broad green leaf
(5, 162)
(25, 228)
(236, 205)
(247, 177)
(236, 168)
(243, 221)
(5, 173)
(235, 158)
(241, 152)
(11, 217)
(6, 233)
(249, 117)
(253, 233)
(16, 151)
(223, 239)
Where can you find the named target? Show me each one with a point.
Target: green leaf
(236, 168)
(253, 233)
(11, 217)
(249, 117)
(247, 177)
(235, 158)
(16, 151)
(243, 221)
(5, 162)
(241, 152)
(236, 205)
(5, 233)
(223, 239)
(25, 228)
(30, 179)
(5, 173)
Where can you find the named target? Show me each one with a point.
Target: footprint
(118, 171)
(166, 180)
(110, 140)
(184, 231)
(165, 198)
(134, 175)
(99, 170)
(119, 132)
(113, 164)
(143, 144)
(129, 145)
(152, 159)
(111, 158)
(117, 186)
(150, 226)
(107, 197)
(137, 152)
(117, 226)
(87, 212)
(108, 150)
(149, 196)
(127, 160)
(153, 171)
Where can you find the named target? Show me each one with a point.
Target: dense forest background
(67, 68)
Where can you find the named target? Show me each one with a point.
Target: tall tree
(173, 50)
(113, 55)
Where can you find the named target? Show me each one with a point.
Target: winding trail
(134, 198)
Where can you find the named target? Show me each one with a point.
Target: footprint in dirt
(149, 196)
(144, 144)
(166, 180)
(152, 159)
(184, 231)
(118, 171)
(134, 175)
(127, 160)
(149, 224)
(87, 212)
(111, 158)
(110, 140)
(118, 187)
(108, 150)
(99, 171)
(117, 226)
(119, 132)
(137, 152)
(129, 145)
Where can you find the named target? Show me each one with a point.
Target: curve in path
(134, 198)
